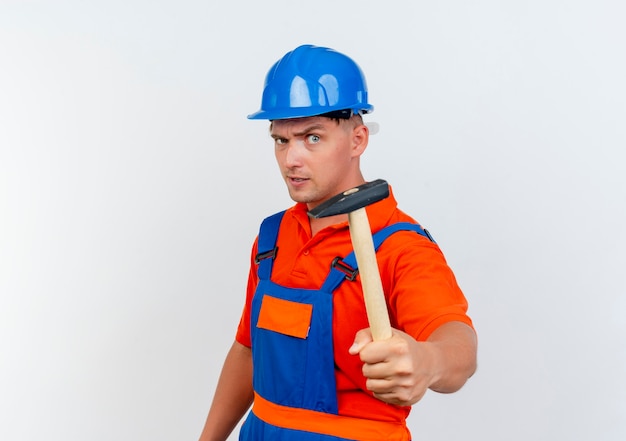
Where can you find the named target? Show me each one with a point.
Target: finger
(401, 397)
(362, 338)
(377, 370)
(379, 386)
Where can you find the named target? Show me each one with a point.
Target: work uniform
(302, 314)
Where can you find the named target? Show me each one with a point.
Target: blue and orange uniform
(304, 306)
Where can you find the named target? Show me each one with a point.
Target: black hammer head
(353, 199)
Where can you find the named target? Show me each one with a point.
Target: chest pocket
(285, 317)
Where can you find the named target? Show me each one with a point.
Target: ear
(360, 138)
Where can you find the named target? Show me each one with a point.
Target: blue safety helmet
(311, 81)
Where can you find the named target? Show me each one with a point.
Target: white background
(132, 186)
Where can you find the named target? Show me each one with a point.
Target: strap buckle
(266, 255)
(340, 265)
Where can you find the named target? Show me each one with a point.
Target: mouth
(296, 179)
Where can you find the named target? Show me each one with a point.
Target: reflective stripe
(328, 424)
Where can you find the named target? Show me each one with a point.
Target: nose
(293, 155)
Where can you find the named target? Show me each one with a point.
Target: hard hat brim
(304, 112)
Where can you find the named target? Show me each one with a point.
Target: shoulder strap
(335, 276)
(383, 234)
(266, 246)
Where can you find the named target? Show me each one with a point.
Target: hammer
(353, 202)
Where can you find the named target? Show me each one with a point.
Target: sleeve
(243, 330)
(422, 290)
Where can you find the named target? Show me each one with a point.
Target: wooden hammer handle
(373, 294)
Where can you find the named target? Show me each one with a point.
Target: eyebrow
(307, 129)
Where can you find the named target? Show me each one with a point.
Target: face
(318, 157)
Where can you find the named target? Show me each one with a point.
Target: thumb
(362, 338)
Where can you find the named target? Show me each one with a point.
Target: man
(304, 356)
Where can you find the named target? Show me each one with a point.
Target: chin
(300, 197)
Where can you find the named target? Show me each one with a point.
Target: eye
(280, 141)
(313, 139)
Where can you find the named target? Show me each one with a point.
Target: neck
(318, 225)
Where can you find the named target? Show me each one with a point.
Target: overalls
(292, 352)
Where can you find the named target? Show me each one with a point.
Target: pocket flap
(285, 316)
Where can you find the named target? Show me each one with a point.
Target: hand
(399, 370)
